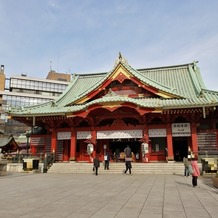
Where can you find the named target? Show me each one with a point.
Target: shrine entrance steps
(118, 168)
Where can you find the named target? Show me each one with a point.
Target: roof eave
(38, 115)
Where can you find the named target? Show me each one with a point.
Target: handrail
(49, 159)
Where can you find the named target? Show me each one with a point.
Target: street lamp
(27, 141)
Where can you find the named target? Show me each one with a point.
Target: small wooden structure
(8, 144)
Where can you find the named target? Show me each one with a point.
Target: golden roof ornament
(120, 59)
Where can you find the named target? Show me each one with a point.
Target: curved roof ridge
(195, 79)
(117, 98)
(198, 74)
(23, 108)
(210, 91)
(59, 98)
(164, 67)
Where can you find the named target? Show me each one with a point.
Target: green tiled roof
(183, 81)
(80, 86)
(150, 81)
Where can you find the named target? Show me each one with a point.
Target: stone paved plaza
(30, 195)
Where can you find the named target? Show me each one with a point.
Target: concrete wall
(18, 168)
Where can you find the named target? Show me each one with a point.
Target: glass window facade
(21, 101)
(24, 91)
(37, 85)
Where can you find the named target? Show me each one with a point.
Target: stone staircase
(117, 168)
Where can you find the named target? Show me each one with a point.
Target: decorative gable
(127, 82)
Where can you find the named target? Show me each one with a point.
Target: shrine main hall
(153, 110)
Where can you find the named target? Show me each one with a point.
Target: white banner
(64, 135)
(119, 134)
(181, 129)
(83, 135)
(157, 133)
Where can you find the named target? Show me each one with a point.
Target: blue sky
(85, 36)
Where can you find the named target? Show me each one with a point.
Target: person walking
(96, 165)
(196, 172)
(106, 161)
(128, 159)
(166, 153)
(186, 165)
(128, 167)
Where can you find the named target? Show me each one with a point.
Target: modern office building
(2, 88)
(23, 91)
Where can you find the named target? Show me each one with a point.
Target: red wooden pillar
(32, 147)
(53, 140)
(73, 145)
(170, 142)
(194, 139)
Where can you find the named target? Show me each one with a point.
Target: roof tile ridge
(198, 74)
(165, 67)
(27, 108)
(194, 78)
(58, 100)
(210, 91)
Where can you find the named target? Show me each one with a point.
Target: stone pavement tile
(154, 202)
(110, 208)
(214, 193)
(173, 214)
(213, 211)
(128, 213)
(7, 206)
(148, 215)
(58, 214)
(40, 212)
(33, 215)
(104, 212)
(192, 202)
(175, 206)
(20, 211)
(88, 210)
(194, 212)
(149, 209)
(6, 215)
(106, 215)
(79, 215)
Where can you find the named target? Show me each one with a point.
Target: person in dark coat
(96, 165)
(128, 167)
(106, 161)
